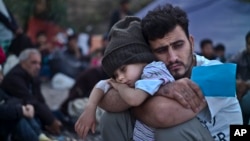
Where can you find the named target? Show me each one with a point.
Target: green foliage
(20, 9)
(58, 11)
(81, 15)
(24, 9)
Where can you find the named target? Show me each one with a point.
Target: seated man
(16, 119)
(22, 82)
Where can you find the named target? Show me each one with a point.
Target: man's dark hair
(219, 47)
(248, 35)
(162, 20)
(204, 42)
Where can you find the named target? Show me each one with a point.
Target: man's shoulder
(14, 74)
(16, 70)
(202, 61)
(236, 57)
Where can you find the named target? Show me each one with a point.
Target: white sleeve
(215, 105)
(154, 75)
(157, 70)
(149, 86)
(103, 85)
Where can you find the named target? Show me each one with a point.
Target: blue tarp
(223, 21)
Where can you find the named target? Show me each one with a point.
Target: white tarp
(223, 21)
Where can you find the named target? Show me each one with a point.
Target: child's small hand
(86, 122)
(115, 84)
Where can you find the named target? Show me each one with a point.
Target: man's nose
(38, 66)
(171, 55)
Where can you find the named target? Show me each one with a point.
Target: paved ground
(54, 97)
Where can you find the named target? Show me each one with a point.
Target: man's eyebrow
(176, 42)
(171, 44)
(160, 47)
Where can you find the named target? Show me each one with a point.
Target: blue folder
(216, 80)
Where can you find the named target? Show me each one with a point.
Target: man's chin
(177, 75)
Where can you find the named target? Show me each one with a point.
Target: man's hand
(28, 111)
(55, 127)
(184, 91)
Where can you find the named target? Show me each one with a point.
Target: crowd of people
(26, 63)
(139, 77)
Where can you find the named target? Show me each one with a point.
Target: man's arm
(10, 111)
(165, 111)
(133, 97)
(162, 112)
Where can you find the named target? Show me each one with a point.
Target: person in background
(42, 43)
(45, 49)
(120, 12)
(18, 44)
(22, 82)
(71, 56)
(242, 59)
(207, 50)
(16, 119)
(96, 57)
(9, 28)
(219, 51)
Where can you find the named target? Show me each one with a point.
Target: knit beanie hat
(126, 46)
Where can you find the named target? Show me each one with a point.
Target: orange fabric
(35, 25)
(96, 43)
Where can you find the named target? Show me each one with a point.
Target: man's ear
(191, 40)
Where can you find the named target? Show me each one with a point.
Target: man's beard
(187, 68)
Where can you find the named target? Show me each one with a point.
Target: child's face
(129, 74)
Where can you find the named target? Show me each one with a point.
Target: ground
(54, 98)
